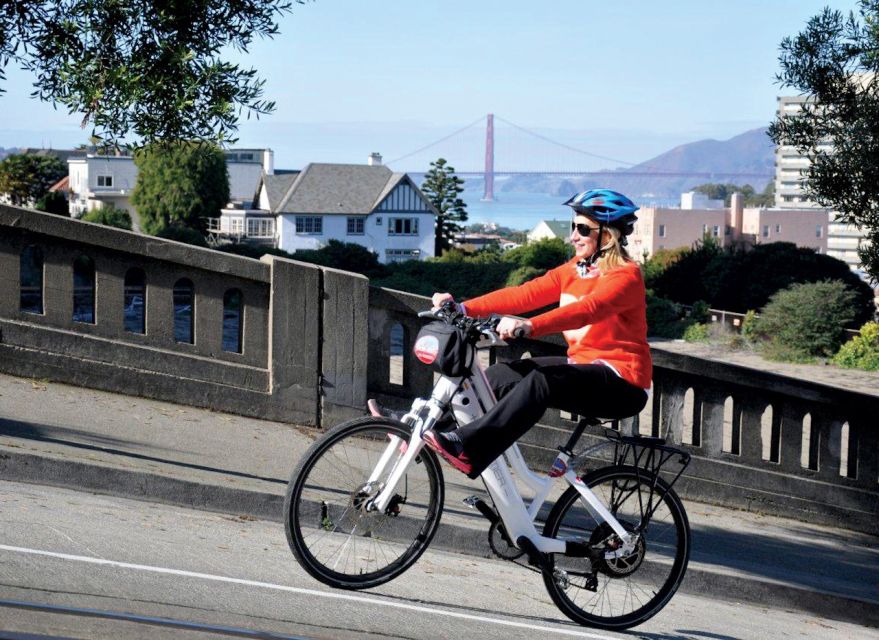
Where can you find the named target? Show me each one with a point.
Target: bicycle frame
(469, 398)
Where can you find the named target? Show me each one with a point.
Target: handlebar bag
(444, 348)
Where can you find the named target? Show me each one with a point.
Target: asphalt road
(77, 565)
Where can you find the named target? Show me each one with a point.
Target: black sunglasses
(583, 229)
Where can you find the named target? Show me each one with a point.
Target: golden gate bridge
(460, 144)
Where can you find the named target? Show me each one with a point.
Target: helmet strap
(599, 251)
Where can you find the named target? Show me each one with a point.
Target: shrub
(806, 321)
(750, 327)
(862, 351)
(664, 318)
(697, 333)
(523, 275)
(109, 215)
(183, 234)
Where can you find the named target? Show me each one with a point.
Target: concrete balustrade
(317, 342)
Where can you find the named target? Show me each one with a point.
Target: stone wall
(317, 342)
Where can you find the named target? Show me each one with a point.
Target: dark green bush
(183, 234)
(806, 321)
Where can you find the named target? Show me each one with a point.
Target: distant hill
(749, 152)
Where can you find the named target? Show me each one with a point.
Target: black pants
(526, 388)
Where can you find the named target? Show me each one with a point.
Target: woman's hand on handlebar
(513, 328)
(439, 298)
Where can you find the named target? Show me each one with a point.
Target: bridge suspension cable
(436, 142)
(562, 144)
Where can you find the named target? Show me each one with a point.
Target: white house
(366, 204)
(551, 229)
(96, 180)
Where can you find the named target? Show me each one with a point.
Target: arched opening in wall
(184, 311)
(732, 424)
(397, 337)
(769, 435)
(687, 418)
(134, 311)
(84, 290)
(232, 325)
(844, 451)
(808, 459)
(30, 280)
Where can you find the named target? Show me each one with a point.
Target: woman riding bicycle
(602, 314)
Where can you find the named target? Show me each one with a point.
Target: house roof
(276, 186)
(559, 228)
(62, 185)
(344, 189)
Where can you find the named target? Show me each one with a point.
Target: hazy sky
(626, 79)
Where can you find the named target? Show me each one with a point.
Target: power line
(433, 144)
(562, 144)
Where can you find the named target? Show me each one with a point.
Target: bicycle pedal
(471, 501)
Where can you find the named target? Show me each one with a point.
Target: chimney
(374, 160)
(736, 214)
(268, 162)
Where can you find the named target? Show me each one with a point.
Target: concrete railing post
(345, 347)
(294, 341)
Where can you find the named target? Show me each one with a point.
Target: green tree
(109, 215)
(835, 62)
(26, 177)
(179, 184)
(544, 254)
(443, 188)
(155, 70)
(806, 321)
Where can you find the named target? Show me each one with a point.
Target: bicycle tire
(324, 520)
(645, 580)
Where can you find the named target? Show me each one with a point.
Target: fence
(288, 341)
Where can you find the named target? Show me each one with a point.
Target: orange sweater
(603, 316)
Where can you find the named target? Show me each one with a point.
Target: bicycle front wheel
(332, 532)
(616, 589)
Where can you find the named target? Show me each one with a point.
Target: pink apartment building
(666, 228)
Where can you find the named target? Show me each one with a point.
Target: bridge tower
(489, 158)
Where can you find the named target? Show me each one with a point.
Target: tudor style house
(366, 204)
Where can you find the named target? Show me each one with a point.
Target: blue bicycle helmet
(606, 207)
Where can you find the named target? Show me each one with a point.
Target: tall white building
(842, 240)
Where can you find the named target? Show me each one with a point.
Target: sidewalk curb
(139, 485)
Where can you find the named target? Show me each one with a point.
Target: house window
(135, 301)
(31, 280)
(236, 225)
(402, 226)
(184, 300)
(716, 231)
(378, 221)
(727, 231)
(84, 290)
(309, 225)
(662, 231)
(260, 227)
(401, 255)
(232, 321)
(765, 230)
(704, 229)
(819, 231)
(105, 181)
(778, 228)
(355, 225)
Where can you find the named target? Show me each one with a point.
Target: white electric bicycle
(365, 502)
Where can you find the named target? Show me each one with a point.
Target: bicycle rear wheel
(623, 591)
(330, 531)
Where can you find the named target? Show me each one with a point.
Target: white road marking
(307, 592)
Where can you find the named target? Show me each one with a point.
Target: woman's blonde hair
(615, 254)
